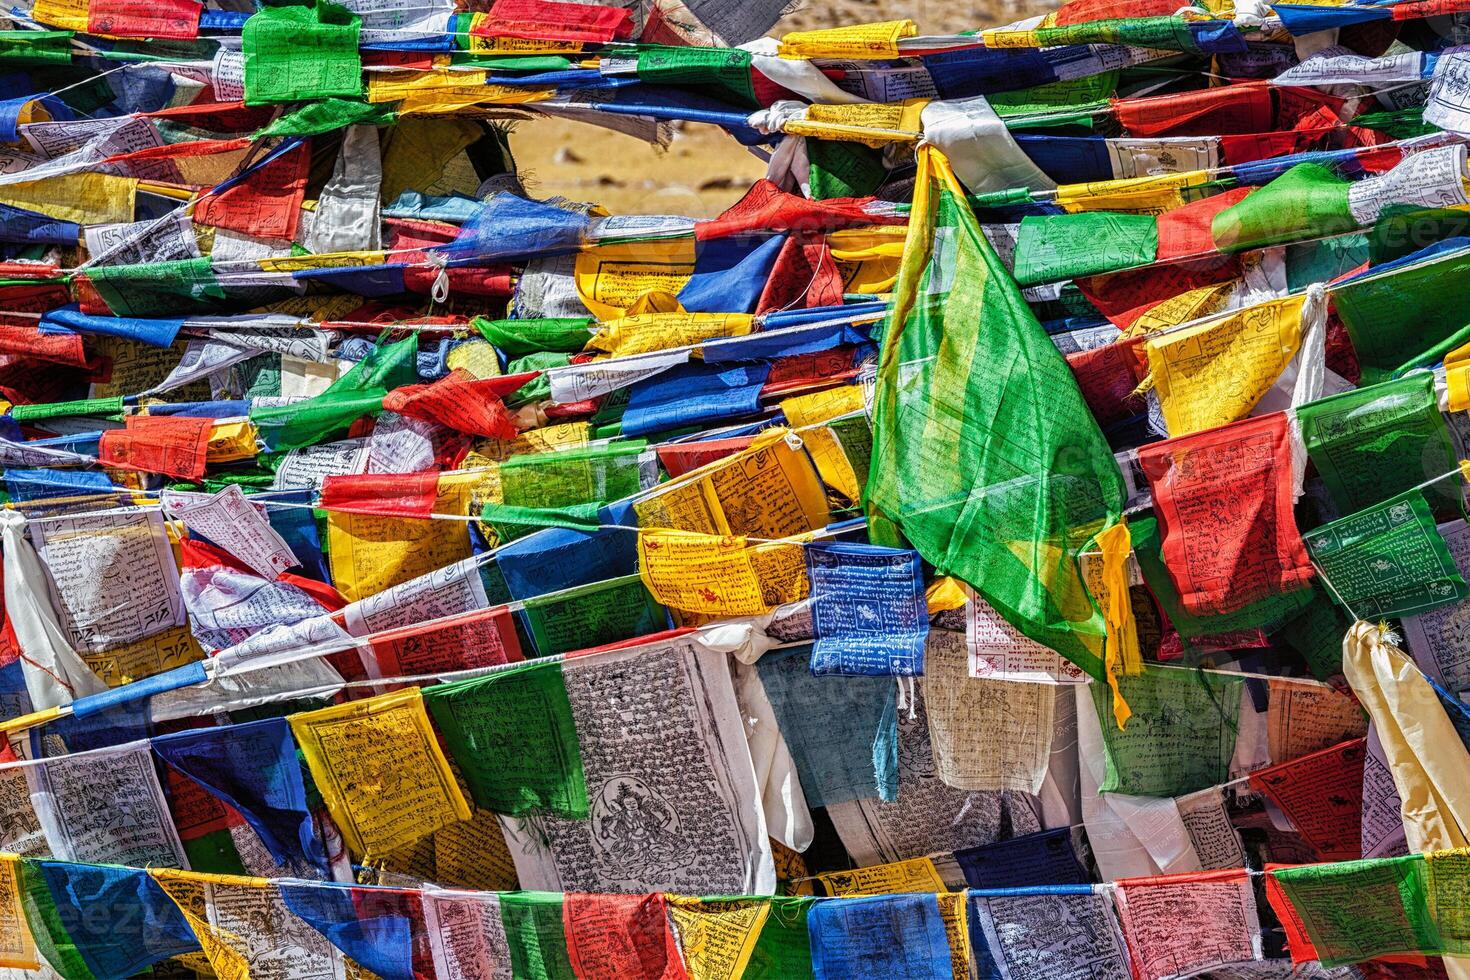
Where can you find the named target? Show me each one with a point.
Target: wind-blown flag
(984, 453)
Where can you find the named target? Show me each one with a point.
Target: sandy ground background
(704, 171)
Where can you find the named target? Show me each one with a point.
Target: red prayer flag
(1322, 794)
(22, 337)
(798, 373)
(620, 937)
(483, 638)
(266, 204)
(1224, 503)
(1185, 231)
(766, 207)
(1107, 379)
(1083, 11)
(1244, 107)
(196, 811)
(382, 494)
(680, 458)
(805, 275)
(556, 21)
(169, 444)
(462, 402)
(144, 18)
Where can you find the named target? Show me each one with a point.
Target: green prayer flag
(300, 52)
(1325, 260)
(514, 739)
(1359, 910)
(1388, 560)
(1308, 201)
(1074, 98)
(357, 393)
(154, 288)
(1167, 33)
(1317, 633)
(327, 116)
(783, 951)
(1395, 314)
(18, 48)
(1375, 442)
(1054, 247)
(214, 853)
(517, 338)
(536, 936)
(511, 521)
(727, 70)
(497, 62)
(537, 388)
(985, 455)
(1181, 735)
(592, 615)
(580, 475)
(843, 169)
(106, 407)
(1397, 123)
(1403, 229)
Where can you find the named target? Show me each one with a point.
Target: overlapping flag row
(1022, 536)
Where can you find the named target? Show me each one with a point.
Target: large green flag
(985, 455)
(300, 52)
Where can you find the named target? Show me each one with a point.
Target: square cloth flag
(868, 609)
(1388, 560)
(302, 52)
(515, 740)
(380, 771)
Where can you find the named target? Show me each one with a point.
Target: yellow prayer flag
(86, 199)
(370, 552)
(719, 575)
(953, 909)
(832, 463)
(1215, 373)
(482, 44)
(321, 260)
(69, 15)
(999, 37)
(901, 877)
(478, 357)
(717, 937)
(770, 490)
(1131, 195)
(613, 279)
(1429, 763)
(817, 407)
(424, 155)
(1122, 654)
(862, 41)
(144, 657)
(649, 332)
(380, 771)
(945, 593)
(230, 442)
(226, 951)
(1457, 380)
(17, 949)
(1189, 305)
(392, 86)
(875, 124)
(868, 258)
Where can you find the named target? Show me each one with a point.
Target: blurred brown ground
(704, 171)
